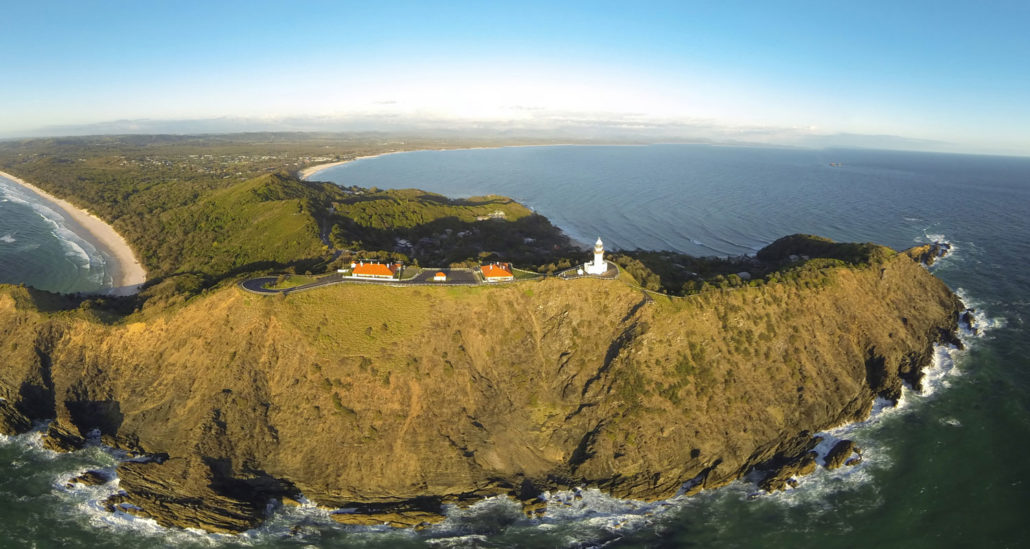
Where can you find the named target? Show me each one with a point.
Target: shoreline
(127, 273)
(307, 173)
(310, 171)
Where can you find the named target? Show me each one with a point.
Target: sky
(938, 75)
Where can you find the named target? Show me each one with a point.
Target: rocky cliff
(395, 401)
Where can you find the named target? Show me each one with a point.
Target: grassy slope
(266, 219)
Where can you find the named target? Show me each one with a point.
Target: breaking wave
(88, 260)
(576, 518)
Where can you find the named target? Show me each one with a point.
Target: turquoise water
(944, 469)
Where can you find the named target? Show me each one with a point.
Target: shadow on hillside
(530, 240)
(51, 302)
(434, 198)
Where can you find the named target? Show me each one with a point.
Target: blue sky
(945, 75)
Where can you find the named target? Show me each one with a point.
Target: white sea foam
(85, 255)
(74, 250)
(577, 517)
(32, 440)
(943, 370)
(88, 502)
(8, 238)
(982, 323)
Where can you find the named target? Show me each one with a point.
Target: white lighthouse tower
(598, 266)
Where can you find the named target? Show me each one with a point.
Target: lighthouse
(598, 266)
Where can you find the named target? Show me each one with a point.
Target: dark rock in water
(89, 478)
(12, 422)
(968, 318)
(837, 455)
(854, 461)
(404, 519)
(59, 439)
(418, 514)
(535, 507)
(782, 477)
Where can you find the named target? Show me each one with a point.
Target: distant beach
(127, 274)
(308, 172)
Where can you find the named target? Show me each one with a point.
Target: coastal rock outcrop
(928, 254)
(840, 455)
(12, 421)
(89, 478)
(394, 402)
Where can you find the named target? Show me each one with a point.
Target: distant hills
(575, 127)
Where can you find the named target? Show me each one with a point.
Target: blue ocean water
(944, 469)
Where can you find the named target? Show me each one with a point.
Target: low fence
(411, 283)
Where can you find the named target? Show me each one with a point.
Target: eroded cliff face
(396, 400)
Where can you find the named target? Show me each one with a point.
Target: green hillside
(200, 209)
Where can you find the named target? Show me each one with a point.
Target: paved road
(256, 285)
(454, 277)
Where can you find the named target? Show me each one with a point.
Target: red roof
(441, 273)
(496, 270)
(372, 269)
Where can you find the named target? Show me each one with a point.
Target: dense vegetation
(200, 209)
(434, 230)
(792, 258)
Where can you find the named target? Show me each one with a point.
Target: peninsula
(394, 401)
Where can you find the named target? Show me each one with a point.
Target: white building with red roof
(374, 270)
(497, 272)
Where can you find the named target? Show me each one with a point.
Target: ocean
(943, 469)
(41, 246)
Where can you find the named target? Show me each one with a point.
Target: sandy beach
(126, 271)
(310, 171)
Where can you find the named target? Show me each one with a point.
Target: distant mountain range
(573, 126)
